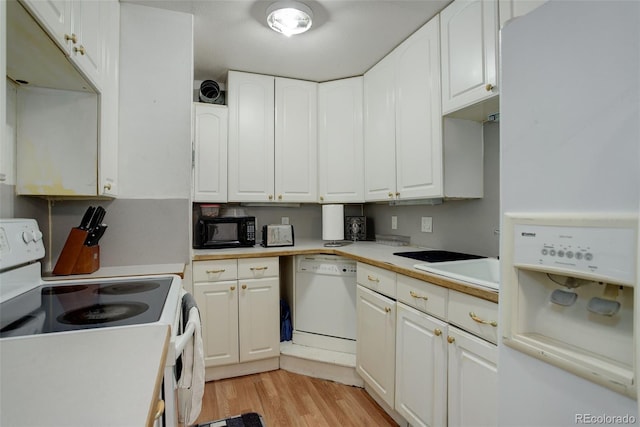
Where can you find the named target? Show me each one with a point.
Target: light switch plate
(394, 222)
(427, 224)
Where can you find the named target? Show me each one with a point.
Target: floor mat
(250, 419)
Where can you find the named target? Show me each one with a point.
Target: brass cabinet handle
(414, 295)
(397, 194)
(390, 194)
(79, 50)
(484, 322)
(373, 279)
(233, 288)
(437, 332)
(270, 196)
(258, 268)
(387, 310)
(488, 87)
(321, 198)
(451, 339)
(159, 409)
(107, 186)
(216, 271)
(244, 286)
(73, 38)
(279, 196)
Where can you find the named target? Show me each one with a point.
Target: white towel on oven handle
(191, 382)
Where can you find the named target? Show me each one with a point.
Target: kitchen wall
(458, 225)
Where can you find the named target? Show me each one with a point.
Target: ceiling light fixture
(289, 17)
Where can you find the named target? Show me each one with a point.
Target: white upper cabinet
(380, 130)
(78, 30)
(403, 121)
(250, 98)
(513, 8)
(67, 122)
(296, 141)
(210, 152)
(272, 139)
(469, 37)
(340, 141)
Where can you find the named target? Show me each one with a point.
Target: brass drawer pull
(79, 50)
(387, 310)
(257, 268)
(451, 339)
(414, 295)
(244, 286)
(216, 271)
(484, 322)
(233, 288)
(373, 279)
(437, 332)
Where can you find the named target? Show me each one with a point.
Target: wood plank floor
(285, 399)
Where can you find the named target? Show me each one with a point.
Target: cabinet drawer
(215, 271)
(475, 315)
(424, 296)
(377, 279)
(256, 268)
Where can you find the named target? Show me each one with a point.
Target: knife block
(76, 258)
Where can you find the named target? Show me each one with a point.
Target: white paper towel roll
(332, 222)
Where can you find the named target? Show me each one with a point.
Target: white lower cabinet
(376, 342)
(409, 353)
(239, 309)
(421, 368)
(473, 380)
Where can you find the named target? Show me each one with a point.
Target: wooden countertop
(97, 377)
(126, 270)
(371, 253)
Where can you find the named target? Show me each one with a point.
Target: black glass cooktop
(68, 307)
(437, 256)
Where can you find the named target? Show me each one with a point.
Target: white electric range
(31, 308)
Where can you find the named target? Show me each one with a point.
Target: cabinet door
(418, 115)
(218, 303)
(210, 153)
(380, 131)
(296, 146)
(340, 141)
(376, 342)
(87, 51)
(473, 380)
(468, 31)
(55, 17)
(108, 134)
(251, 137)
(421, 368)
(259, 320)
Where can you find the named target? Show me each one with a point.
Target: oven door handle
(182, 340)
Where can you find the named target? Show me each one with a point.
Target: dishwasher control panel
(334, 266)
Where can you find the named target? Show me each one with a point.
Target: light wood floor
(285, 399)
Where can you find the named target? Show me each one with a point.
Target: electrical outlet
(284, 220)
(427, 224)
(394, 222)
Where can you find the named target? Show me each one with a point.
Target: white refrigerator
(570, 142)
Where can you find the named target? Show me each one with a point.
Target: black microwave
(224, 232)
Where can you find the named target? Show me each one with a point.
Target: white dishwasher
(325, 302)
